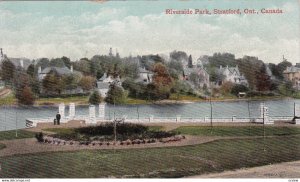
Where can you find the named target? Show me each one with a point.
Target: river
(12, 117)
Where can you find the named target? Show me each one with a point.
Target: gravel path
(282, 170)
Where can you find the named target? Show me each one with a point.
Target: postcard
(150, 89)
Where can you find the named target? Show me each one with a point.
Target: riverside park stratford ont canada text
(223, 11)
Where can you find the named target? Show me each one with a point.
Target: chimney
(22, 63)
(40, 70)
(71, 68)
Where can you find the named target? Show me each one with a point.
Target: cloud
(266, 37)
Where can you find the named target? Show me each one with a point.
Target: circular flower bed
(104, 135)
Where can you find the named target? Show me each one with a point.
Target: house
(292, 74)
(231, 74)
(59, 70)
(145, 76)
(105, 81)
(18, 62)
(201, 72)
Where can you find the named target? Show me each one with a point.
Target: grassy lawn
(237, 130)
(2, 146)
(181, 97)
(9, 100)
(10, 135)
(74, 99)
(154, 162)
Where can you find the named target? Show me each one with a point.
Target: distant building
(59, 70)
(201, 72)
(145, 76)
(292, 74)
(105, 81)
(18, 62)
(233, 75)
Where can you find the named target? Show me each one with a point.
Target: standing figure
(58, 118)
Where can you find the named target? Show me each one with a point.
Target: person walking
(58, 118)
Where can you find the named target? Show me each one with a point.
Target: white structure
(232, 74)
(61, 110)
(264, 115)
(102, 111)
(145, 76)
(72, 111)
(92, 114)
(104, 82)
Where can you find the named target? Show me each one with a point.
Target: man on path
(58, 118)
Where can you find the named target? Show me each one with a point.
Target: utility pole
(264, 126)
(16, 124)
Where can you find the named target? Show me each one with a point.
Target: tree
(162, 81)
(226, 88)
(178, 56)
(57, 62)
(263, 81)
(30, 70)
(286, 88)
(52, 83)
(8, 69)
(238, 88)
(84, 66)
(66, 61)
(190, 62)
(87, 83)
(115, 95)
(25, 96)
(95, 98)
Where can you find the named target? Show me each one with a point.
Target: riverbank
(10, 100)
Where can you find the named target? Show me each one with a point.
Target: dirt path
(4, 93)
(30, 145)
(282, 170)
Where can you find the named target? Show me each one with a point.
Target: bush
(95, 98)
(39, 137)
(238, 88)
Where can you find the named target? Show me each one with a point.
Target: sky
(79, 29)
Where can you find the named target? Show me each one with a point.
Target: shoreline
(161, 102)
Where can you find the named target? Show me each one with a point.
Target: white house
(145, 76)
(232, 74)
(104, 82)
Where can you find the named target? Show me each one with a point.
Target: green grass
(74, 99)
(156, 128)
(154, 162)
(8, 100)
(10, 135)
(2, 146)
(181, 97)
(237, 130)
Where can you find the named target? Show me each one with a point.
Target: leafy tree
(178, 56)
(57, 62)
(226, 88)
(263, 81)
(95, 98)
(43, 63)
(286, 88)
(69, 82)
(162, 81)
(115, 95)
(87, 83)
(30, 70)
(52, 83)
(190, 62)
(239, 88)
(25, 96)
(8, 69)
(84, 66)
(66, 61)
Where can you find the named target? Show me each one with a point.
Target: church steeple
(110, 52)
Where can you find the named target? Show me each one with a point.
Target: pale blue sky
(78, 28)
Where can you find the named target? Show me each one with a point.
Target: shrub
(39, 137)
(95, 98)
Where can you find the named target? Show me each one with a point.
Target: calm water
(12, 117)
